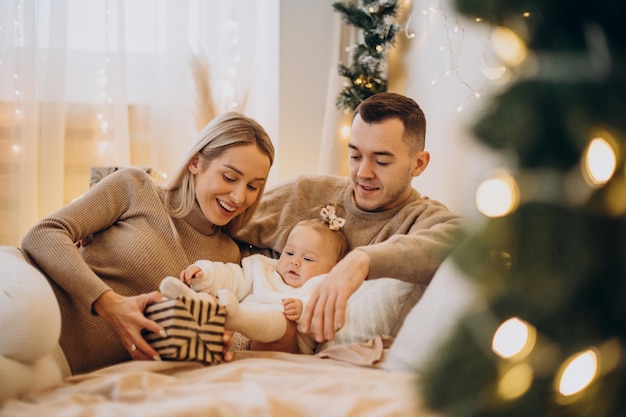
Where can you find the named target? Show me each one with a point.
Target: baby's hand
(189, 273)
(292, 307)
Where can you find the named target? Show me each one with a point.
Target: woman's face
(230, 183)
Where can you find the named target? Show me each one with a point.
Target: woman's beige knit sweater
(133, 248)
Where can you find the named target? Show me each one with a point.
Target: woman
(142, 232)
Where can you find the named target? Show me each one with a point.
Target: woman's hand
(127, 317)
(227, 342)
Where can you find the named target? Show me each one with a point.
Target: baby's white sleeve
(220, 275)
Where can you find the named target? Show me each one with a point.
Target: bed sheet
(253, 384)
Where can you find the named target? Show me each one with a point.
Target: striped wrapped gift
(195, 330)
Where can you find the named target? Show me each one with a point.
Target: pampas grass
(205, 110)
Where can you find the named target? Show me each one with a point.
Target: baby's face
(305, 255)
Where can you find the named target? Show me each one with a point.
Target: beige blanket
(341, 382)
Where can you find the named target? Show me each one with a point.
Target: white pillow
(449, 296)
(30, 320)
(371, 311)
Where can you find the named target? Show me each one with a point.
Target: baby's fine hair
(334, 237)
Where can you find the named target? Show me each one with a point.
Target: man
(392, 230)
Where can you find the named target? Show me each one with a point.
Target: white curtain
(87, 83)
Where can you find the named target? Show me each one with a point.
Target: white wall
(459, 163)
(306, 34)
(446, 62)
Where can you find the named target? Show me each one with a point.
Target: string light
(18, 94)
(491, 71)
(104, 114)
(454, 49)
(229, 82)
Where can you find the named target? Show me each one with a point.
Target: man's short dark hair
(384, 106)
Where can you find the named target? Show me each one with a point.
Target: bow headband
(328, 214)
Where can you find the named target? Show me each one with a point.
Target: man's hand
(126, 316)
(326, 308)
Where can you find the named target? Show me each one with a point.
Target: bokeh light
(599, 161)
(515, 381)
(578, 372)
(345, 132)
(514, 339)
(508, 46)
(498, 196)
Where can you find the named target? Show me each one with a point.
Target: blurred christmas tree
(367, 73)
(552, 269)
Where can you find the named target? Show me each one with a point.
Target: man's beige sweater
(408, 242)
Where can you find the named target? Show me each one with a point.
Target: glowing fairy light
(578, 372)
(599, 161)
(508, 46)
(345, 132)
(515, 381)
(514, 339)
(497, 197)
(493, 73)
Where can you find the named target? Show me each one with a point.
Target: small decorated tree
(552, 271)
(367, 73)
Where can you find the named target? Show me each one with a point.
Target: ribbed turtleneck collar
(199, 222)
(351, 207)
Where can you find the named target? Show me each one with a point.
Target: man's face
(381, 166)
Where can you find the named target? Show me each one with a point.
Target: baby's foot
(173, 287)
(229, 300)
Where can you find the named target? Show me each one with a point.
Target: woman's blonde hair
(226, 131)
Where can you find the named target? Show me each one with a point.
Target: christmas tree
(552, 271)
(367, 73)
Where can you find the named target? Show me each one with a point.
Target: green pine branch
(367, 73)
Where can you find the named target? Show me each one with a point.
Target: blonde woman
(143, 231)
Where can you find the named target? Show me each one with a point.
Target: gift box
(195, 330)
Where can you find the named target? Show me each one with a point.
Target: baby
(272, 291)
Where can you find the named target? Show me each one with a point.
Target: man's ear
(422, 159)
(193, 165)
